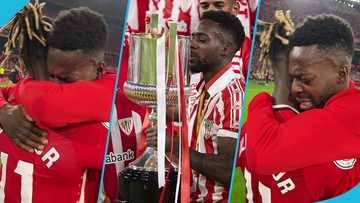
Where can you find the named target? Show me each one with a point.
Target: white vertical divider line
(177, 71)
(161, 108)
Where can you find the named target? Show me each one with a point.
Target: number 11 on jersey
(25, 170)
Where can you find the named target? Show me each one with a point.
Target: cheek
(227, 8)
(202, 52)
(321, 89)
(213, 48)
(55, 70)
(89, 73)
(316, 92)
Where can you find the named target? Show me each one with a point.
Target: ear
(100, 68)
(236, 7)
(344, 74)
(227, 49)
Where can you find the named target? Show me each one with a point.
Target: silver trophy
(141, 84)
(140, 87)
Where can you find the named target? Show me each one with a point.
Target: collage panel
(58, 66)
(179, 100)
(299, 141)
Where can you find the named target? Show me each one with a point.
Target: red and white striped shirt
(219, 117)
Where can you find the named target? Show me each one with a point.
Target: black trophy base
(141, 186)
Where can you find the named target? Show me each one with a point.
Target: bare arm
(216, 167)
(18, 125)
(278, 56)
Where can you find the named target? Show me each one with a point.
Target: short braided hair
(228, 23)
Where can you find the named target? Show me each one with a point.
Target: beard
(198, 67)
(317, 104)
(323, 99)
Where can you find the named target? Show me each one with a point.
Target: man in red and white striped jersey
(215, 106)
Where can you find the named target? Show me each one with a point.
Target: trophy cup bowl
(138, 182)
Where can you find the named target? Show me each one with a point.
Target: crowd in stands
(301, 9)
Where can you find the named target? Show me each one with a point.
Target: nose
(193, 43)
(296, 87)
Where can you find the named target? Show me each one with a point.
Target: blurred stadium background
(261, 80)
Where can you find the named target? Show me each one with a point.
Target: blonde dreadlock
(28, 32)
(270, 33)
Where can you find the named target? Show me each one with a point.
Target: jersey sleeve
(228, 111)
(58, 105)
(245, 54)
(310, 138)
(283, 112)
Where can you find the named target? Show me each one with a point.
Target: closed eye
(204, 5)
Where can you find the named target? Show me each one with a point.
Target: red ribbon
(185, 160)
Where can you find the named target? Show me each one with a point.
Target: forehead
(213, 1)
(207, 26)
(65, 60)
(65, 56)
(304, 52)
(309, 59)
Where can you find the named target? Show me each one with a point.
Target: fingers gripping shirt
(56, 174)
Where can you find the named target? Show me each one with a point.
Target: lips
(193, 57)
(305, 104)
(192, 60)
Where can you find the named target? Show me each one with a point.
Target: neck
(39, 72)
(39, 76)
(214, 70)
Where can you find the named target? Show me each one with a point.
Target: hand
(279, 50)
(21, 129)
(151, 140)
(172, 113)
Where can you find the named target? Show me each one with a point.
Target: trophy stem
(148, 160)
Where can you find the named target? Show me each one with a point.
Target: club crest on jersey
(182, 26)
(345, 164)
(126, 125)
(209, 128)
